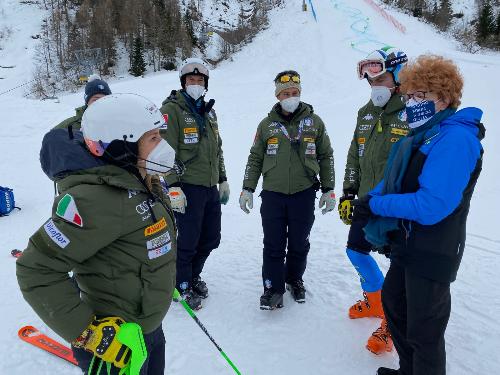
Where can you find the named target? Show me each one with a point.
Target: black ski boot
(192, 298)
(271, 300)
(200, 287)
(387, 371)
(297, 290)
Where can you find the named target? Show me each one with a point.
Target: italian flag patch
(66, 209)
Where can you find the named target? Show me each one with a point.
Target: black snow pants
(198, 231)
(417, 310)
(286, 220)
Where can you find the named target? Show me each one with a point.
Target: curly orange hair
(433, 73)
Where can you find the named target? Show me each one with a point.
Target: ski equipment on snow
(177, 297)
(33, 336)
(7, 203)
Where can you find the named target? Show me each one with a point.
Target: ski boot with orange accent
(380, 341)
(370, 307)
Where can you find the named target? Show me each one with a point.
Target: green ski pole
(178, 297)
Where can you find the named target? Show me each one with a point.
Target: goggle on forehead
(373, 68)
(289, 77)
(194, 68)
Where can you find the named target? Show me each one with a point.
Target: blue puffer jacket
(435, 197)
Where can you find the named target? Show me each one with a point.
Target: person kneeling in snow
(112, 230)
(420, 209)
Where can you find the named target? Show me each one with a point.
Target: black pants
(356, 240)
(286, 219)
(198, 231)
(417, 311)
(154, 364)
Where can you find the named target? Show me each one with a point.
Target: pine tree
(138, 66)
(498, 24)
(444, 15)
(485, 26)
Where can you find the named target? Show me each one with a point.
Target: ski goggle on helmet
(387, 59)
(122, 117)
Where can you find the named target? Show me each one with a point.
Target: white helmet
(123, 117)
(194, 66)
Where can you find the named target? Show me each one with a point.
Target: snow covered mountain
(316, 337)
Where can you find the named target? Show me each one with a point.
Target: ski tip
(16, 253)
(27, 331)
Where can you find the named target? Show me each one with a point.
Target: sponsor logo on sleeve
(67, 210)
(156, 227)
(55, 234)
(159, 241)
(398, 131)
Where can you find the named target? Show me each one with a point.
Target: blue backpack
(7, 203)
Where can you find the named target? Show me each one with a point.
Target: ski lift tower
(88, 61)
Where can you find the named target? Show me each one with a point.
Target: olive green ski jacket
(117, 239)
(196, 141)
(290, 154)
(75, 121)
(377, 129)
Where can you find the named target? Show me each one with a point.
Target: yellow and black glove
(346, 207)
(100, 338)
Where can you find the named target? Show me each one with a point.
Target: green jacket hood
(80, 110)
(103, 175)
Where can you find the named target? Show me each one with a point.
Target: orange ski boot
(371, 306)
(380, 341)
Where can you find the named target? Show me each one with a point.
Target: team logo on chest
(190, 135)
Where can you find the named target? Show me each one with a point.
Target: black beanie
(96, 86)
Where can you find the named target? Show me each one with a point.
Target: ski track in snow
(312, 338)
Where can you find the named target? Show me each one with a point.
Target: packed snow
(312, 338)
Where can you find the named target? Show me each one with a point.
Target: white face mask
(161, 159)
(380, 95)
(290, 104)
(195, 91)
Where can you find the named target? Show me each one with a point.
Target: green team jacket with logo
(288, 168)
(75, 121)
(122, 259)
(376, 131)
(201, 154)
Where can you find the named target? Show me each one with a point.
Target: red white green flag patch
(66, 209)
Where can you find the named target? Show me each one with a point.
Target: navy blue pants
(154, 364)
(198, 231)
(287, 221)
(356, 240)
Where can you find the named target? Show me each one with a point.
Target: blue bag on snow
(7, 203)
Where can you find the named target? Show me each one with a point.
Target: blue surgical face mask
(418, 113)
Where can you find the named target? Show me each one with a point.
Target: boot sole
(387, 349)
(278, 305)
(269, 308)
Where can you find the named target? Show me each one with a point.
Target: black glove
(362, 208)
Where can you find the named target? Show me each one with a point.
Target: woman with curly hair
(420, 209)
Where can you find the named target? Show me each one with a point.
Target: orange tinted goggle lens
(370, 68)
(287, 78)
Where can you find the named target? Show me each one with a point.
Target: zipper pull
(379, 125)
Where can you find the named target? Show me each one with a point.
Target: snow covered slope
(317, 337)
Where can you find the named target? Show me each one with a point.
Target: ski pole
(178, 297)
